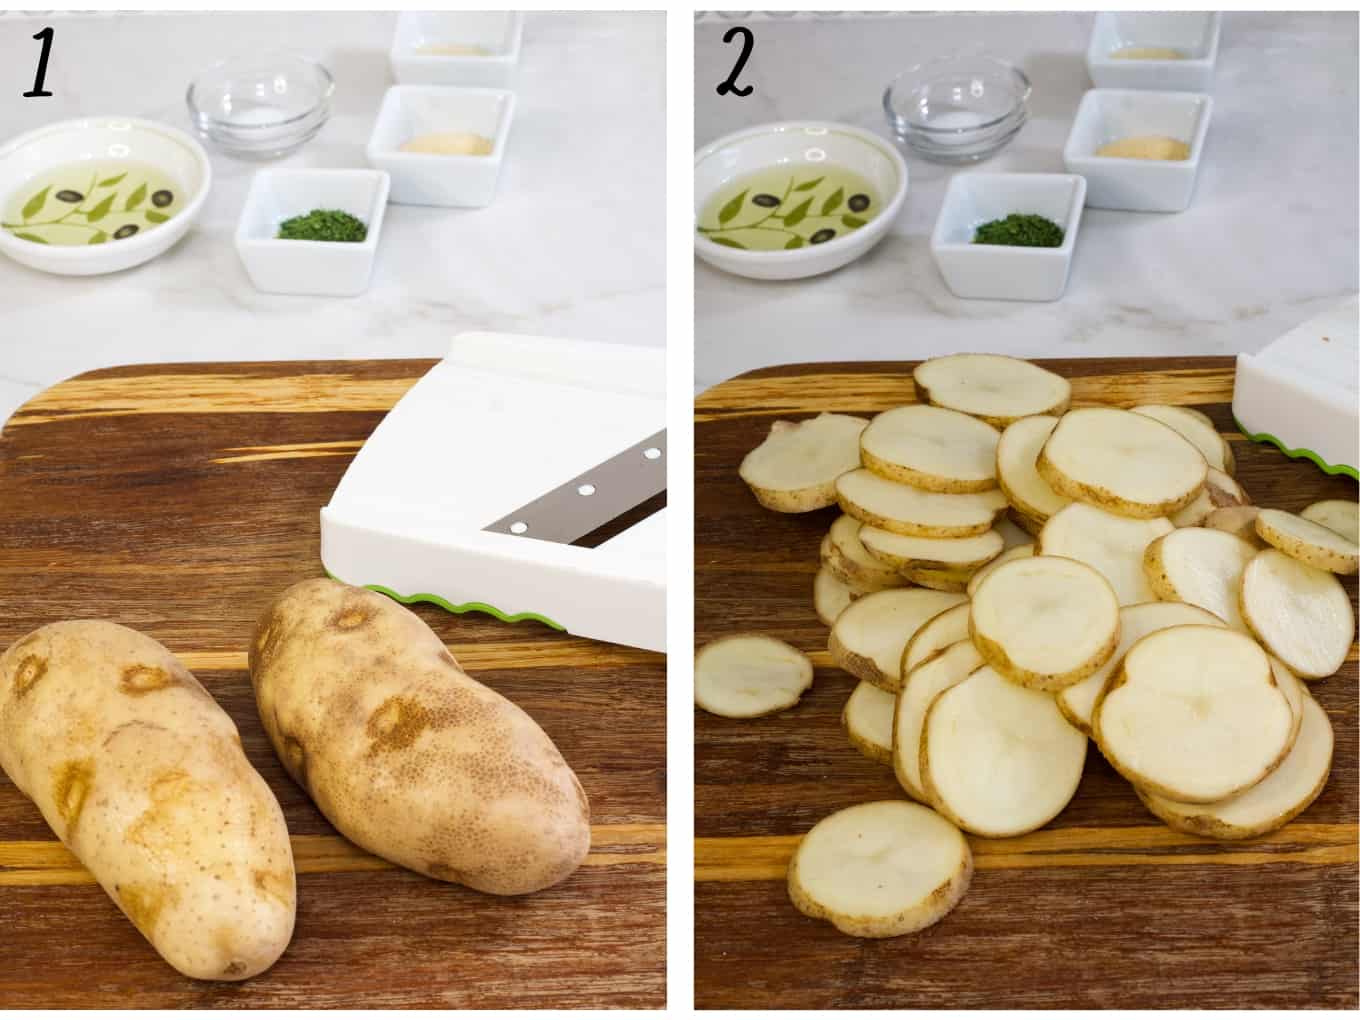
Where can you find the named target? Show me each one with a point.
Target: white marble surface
(572, 246)
(1269, 241)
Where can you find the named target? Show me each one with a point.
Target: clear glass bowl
(958, 109)
(261, 107)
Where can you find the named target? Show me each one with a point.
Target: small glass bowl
(958, 109)
(261, 107)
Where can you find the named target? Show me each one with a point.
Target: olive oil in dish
(91, 203)
(788, 207)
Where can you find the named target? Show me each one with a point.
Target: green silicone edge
(1266, 437)
(465, 607)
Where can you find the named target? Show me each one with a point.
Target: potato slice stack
(1010, 577)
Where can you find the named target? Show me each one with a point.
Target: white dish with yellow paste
(1129, 120)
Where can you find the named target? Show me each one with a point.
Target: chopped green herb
(323, 225)
(1022, 229)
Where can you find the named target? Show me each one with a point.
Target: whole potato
(406, 754)
(141, 774)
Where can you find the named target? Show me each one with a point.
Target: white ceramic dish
(799, 144)
(1193, 33)
(421, 179)
(102, 139)
(331, 268)
(1137, 185)
(1001, 271)
(498, 33)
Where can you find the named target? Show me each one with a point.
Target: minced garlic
(450, 143)
(452, 50)
(1147, 53)
(1146, 147)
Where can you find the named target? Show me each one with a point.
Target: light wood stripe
(41, 862)
(766, 858)
(813, 392)
(245, 393)
(565, 654)
(288, 451)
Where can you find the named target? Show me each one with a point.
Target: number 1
(38, 91)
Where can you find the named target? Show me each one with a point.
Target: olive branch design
(93, 214)
(769, 209)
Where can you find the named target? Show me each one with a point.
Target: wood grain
(179, 500)
(1106, 907)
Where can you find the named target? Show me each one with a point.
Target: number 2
(38, 91)
(748, 41)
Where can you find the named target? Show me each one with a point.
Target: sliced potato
(1197, 428)
(1135, 622)
(1018, 552)
(1194, 714)
(869, 637)
(938, 580)
(1300, 613)
(911, 511)
(835, 564)
(881, 869)
(1112, 544)
(1011, 533)
(795, 469)
(932, 448)
(948, 554)
(1294, 692)
(997, 759)
(1045, 622)
(1308, 542)
(868, 721)
(1030, 525)
(992, 387)
(1219, 490)
(1017, 454)
(920, 687)
(857, 562)
(935, 635)
(1202, 567)
(1339, 515)
(749, 675)
(1236, 520)
(830, 595)
(1270, 804)
(1123, 462)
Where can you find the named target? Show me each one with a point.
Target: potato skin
(407, 755)
(142, 775)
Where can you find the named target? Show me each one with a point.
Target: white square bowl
(1137, 185)
(1001, 271)
(330, 268)
(425, 179)
(500, 33)
(1194, 33)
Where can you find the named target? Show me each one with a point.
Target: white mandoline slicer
(1301, 392)
(486, 486)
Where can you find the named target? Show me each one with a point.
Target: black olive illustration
(822, 236)
(160, 199)
(67, 195)
(127, 230)
(766, 200)
(858, 203)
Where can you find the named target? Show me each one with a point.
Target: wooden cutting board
(179, 499)
(1105, 907)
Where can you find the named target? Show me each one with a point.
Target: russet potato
(142, 776)
(407, 755)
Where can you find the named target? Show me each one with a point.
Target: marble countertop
(1269, 241)
(586, 155)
